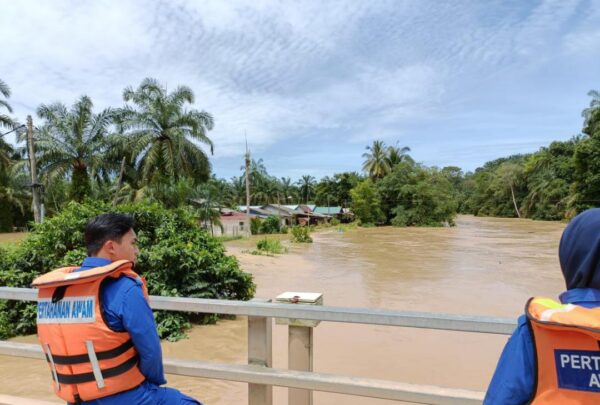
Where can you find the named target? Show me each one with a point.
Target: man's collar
(91, 262)
(580, 295)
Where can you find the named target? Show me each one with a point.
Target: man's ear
(109, 246)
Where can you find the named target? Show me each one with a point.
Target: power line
(13, 130)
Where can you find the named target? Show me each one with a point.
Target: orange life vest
(567, 351)
(88, 360)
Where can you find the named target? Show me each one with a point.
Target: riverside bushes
(177, 258)
(301, 234)
(270, 246)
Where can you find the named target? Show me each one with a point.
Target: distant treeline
(147, 150)
(554, 183)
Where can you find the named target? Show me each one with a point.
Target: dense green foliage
(177, 258)
(413, 195)
(366, 202)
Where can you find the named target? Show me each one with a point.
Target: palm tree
(13, 187)
(376, 164)
(5, 120)
(72, 142)
(288, 191)
(239, 190)
(587, 113)
(307, 187)
(396, 155)
(161, 131)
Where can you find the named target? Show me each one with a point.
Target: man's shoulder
(121, 285)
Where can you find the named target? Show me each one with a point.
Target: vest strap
(106, 373)
(95, 366)
(84, 358)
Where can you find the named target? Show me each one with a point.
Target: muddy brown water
(483, 266)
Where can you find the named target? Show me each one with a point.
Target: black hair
(106, 227)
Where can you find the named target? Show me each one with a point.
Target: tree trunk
(119, 182)
(80, 184)
(514, 201)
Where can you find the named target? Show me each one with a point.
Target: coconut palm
(160, 132)
(396, 154)
(376, 163)
(72, 142)
(307, 187)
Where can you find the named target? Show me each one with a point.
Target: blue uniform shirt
(513, 380)
(125, 308)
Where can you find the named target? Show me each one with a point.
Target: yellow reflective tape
(548, 303)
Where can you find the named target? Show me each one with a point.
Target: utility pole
(248, 226)
(35, 186)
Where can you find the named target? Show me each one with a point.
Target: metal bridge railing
(259, 374)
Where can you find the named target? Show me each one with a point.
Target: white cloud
(282, 71)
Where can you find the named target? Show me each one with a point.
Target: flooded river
(483, 266)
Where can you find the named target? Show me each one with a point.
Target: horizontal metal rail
(461, 323)
(422, 394)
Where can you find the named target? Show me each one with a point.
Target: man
(96, 327)
(553, 356)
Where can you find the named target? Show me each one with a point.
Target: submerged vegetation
(301, 234)
(269, 247)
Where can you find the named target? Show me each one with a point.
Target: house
(302, 214)
(288, 216)
(255, 211)
(233, 223)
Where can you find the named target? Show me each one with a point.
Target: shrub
(334, 222)
(177, 258)
(255, 225)
(284, 229)
(272, 246)
(270, 225)
(301, 234)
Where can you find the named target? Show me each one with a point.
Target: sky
(312, 83)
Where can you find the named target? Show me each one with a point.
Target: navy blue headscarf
(579, 251)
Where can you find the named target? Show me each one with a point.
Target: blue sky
(313, 82)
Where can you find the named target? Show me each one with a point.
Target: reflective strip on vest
(567, 352)
(549, 313)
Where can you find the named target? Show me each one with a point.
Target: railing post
(300, 352)
(300, 342)
(260, 353)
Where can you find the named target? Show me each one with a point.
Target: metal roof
(328, 210)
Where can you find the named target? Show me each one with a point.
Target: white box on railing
(298, 298)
